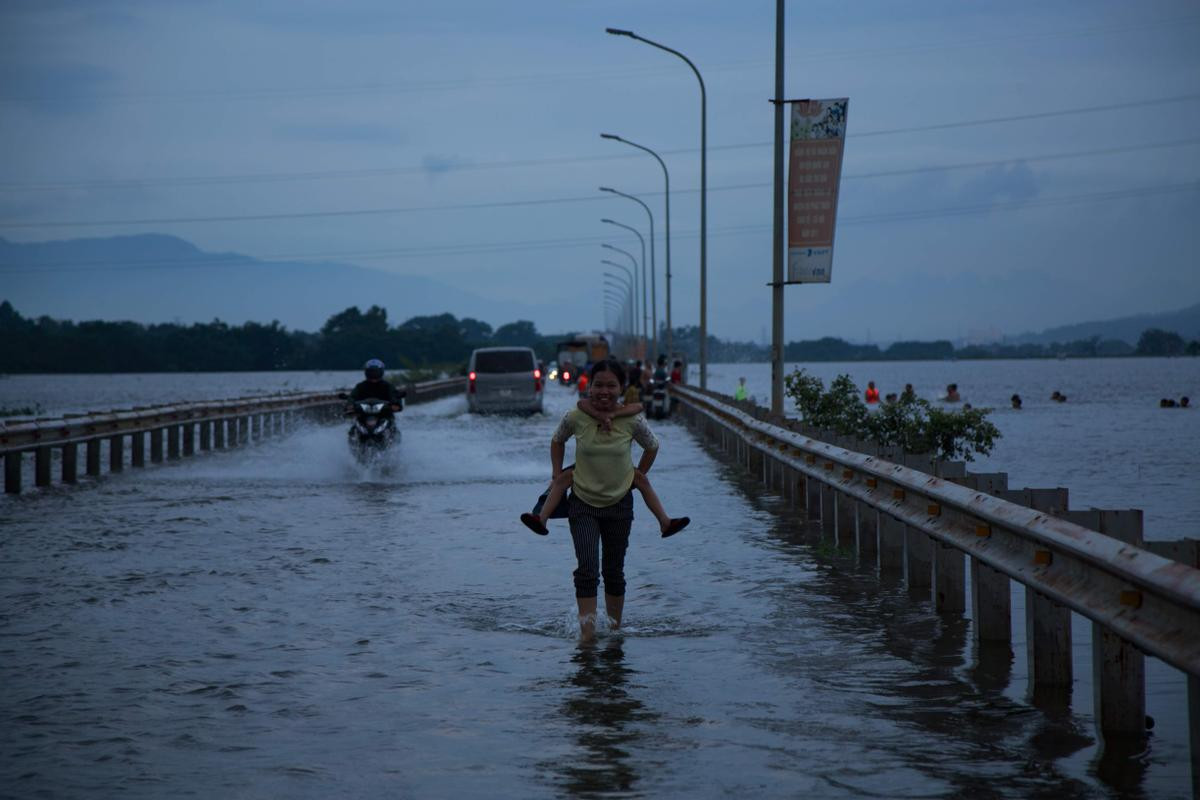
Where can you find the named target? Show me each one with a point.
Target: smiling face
(604, 390)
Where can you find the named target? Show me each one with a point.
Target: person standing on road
(600, 510)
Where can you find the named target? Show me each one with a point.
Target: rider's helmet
(373, 369)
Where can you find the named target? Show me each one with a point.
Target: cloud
(433, 165)
(63, 87)
(1002, 183)
(345, 132)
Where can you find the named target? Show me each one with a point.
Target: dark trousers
(601, 536)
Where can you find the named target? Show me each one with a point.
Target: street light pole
(632, 260)
(637, 233)
(618, 306)
(649, 216)
(653, 278)
(703, 197)
(618, 283)
(631, 285)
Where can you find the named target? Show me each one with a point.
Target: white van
(504, 380)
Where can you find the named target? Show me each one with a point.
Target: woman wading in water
(600, 509)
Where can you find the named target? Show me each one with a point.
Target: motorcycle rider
(376, 387)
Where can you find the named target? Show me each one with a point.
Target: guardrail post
(847, 522)
(891, 544)
(189, 438)
(70, 462)
(137, 448)
(116, 453)
(867, 531)
(1193, 701)
(156, 445)
(1047, 624)
(828, 510)
(1118, 668)
(172, 432)
(206, 434)
(41, 466)
(918, 560)
(949, 579)
(256, 423)
(219, 434)
(92, 456)
(12, 472)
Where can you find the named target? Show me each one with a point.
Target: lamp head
(607, 220)
(608, 246)
(607, 189)
(618, 32)
(612, 136)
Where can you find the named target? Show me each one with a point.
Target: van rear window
(504, 361)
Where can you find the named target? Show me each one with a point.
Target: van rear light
(471, 382)
(537, 380)
(566, 376)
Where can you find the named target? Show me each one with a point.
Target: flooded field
(278, 621)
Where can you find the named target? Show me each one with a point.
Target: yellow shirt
(603, 469)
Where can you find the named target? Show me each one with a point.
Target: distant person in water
(740, 392)
(1166, 402)
(1016, 401)
(908, 395)
(889, 398)
(872, 394)
(1184, 402)
(952, 393)
(1058, 397)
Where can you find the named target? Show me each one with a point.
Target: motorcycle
(660, 403)
(373, 430)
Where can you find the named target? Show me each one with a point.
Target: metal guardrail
(26, 435)
(219, 423)
(929, 523)
(1146, 599)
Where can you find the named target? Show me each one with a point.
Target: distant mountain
(158, 278)
(1185, 322)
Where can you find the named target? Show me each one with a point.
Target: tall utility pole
(778, 227)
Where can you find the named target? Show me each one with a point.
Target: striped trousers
(595, 531)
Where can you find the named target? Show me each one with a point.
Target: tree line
(440, 341)
(345, 341)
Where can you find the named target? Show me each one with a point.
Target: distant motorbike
(660, 403)
(373, 430)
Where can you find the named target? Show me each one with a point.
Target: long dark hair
(608, 365)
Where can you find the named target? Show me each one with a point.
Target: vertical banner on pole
(818, 138)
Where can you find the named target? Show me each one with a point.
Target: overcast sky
(130, 112)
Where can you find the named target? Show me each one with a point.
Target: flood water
(280, 622)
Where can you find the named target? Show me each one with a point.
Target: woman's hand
(605, 421)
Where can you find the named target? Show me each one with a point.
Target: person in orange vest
(872, 392)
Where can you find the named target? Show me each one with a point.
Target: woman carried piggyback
(616, 423)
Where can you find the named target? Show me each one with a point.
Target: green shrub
(910, 423)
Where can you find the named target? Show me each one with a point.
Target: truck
(578, 351)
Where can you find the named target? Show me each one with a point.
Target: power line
(426, 251)
(576, 199)
(271, 177)
(443, 85)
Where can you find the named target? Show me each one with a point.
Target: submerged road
(278, 621)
